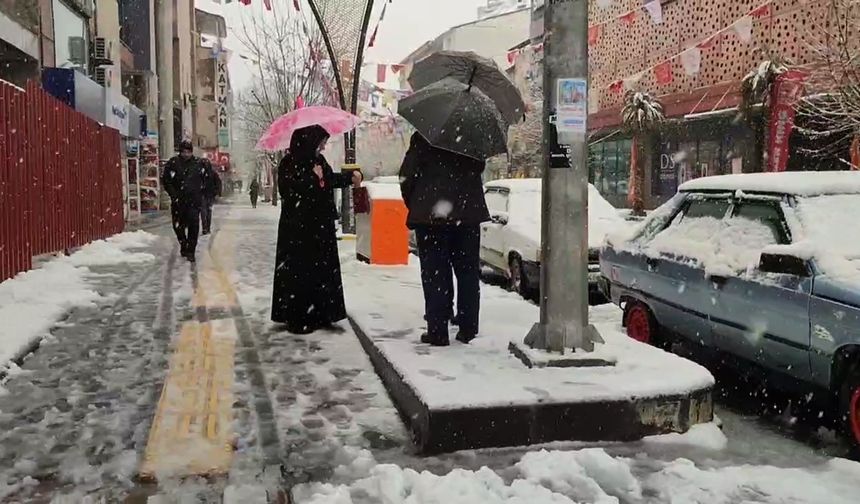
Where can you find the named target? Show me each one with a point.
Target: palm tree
(641, 115)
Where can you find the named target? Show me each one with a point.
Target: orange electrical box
(381, 234)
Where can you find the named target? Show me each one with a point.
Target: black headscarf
(304, 144)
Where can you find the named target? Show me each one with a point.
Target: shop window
(71, 38)
(609, 166)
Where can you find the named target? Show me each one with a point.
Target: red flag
(617, 86)
(512, 56)
(593, 34)
(760, 12)
(296, 5)
(373, 36)
(245, 2)
(396, 68)
(380, 72)
(787, 90)
(663, 73)
(268, 4)
(628, 18)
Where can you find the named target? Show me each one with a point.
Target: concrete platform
(481, 395)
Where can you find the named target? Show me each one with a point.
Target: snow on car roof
(796, 183)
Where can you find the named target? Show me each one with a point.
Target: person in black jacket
(213, 190)
(444, 195)
(188, 180)
(308, 289)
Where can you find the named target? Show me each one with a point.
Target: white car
(510, 242)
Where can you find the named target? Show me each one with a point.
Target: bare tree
(288, 55)
(831, 119)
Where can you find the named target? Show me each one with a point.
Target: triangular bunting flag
(617, 87)
(628, 18)
(373, 37)
(663, 73)
(655, 9)
(593, 34)
(245, 2)
(380, 72)
(396, 68)
(709, 42)
(512, 56)
(743, 28)
(692, 61)
(761, 12)
(268, 4)
(631, 82)
(296, 5)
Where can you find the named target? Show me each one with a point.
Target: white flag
(743, 28)
(604, 4)
(632, 82)
(655, 8)
(692, 60)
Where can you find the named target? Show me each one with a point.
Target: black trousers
(254, 200)
(206, 216)
(186, 225)
(442, 249)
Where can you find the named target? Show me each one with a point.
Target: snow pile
(797, 183)
(594, 476)
(720, 247)
(706, 436)
(34, 300)
(832, 235)
(115, 250)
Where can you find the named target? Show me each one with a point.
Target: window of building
(70, 37)
(609, 166)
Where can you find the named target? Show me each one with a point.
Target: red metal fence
(60, 178)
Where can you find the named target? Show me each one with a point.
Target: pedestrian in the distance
(254, 190)
(308, 289)
(187, 179)
(212, 192)
(444, 195)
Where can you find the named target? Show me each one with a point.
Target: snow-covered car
(510, 242)
(762, 268)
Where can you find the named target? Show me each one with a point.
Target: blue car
(763, 267)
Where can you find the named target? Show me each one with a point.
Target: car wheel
(518, 282)
(640, 323)
(849, 406)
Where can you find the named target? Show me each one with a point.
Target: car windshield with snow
(762, 267)
(510, 242)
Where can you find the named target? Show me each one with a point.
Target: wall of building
(183, 52)
(107, 27)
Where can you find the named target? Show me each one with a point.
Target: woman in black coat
(308, 290)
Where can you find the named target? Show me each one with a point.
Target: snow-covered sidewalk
(35, 300)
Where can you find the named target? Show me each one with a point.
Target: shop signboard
(116, 112)
(786, 92)
(668, 169)
(75, 90)
(222, 95)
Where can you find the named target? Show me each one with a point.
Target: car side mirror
(500, 219)
(783, 264)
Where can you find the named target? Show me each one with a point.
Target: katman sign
(222, 95)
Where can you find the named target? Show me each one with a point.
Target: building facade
(693, 58)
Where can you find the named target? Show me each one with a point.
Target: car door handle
(719, 280)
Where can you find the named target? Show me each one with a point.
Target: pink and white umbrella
(278, 134)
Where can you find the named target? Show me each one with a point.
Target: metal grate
(344, 22)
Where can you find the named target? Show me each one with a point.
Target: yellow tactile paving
(213, 289)
(192, 433)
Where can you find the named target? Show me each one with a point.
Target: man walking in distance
(188, 180)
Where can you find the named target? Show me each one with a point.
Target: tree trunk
(636, 181)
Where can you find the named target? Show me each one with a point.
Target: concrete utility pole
(164, 16)
(564, 233)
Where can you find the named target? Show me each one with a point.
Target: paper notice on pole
(572, 105)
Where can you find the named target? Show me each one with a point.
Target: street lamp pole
(564, 228)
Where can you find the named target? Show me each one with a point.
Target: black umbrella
(469, 68)
(457, 117)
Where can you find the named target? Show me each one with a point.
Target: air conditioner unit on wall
(102, 77)
(102, 51)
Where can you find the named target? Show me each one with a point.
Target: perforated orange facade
(622, 50)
